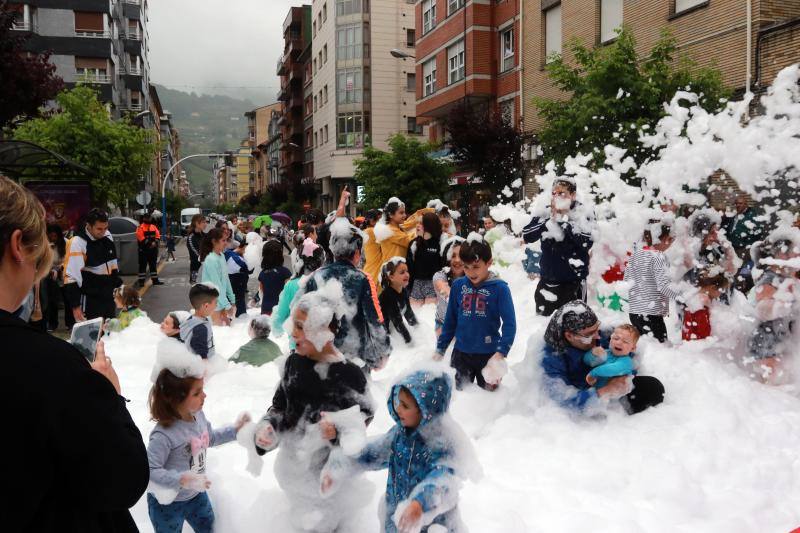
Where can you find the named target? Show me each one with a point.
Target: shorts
(422, 289)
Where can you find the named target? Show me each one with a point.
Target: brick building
(466, 51)
(258, 137)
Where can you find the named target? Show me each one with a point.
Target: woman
(425, 259)
(79, 461)
(574, 330)
(215, 271)
(372, 249)
(397, 230)
(193, 242)
(55, 281)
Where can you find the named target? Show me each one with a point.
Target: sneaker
(157, 282)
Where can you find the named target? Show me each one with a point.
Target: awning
(463, 178)
(22, 159)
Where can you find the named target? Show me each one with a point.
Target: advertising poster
(65, 202)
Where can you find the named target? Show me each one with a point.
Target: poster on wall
(65, 202)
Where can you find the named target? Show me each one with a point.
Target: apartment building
(361, 94)
(258, 133)
(467, 52)
(103, 42)
(711, 32)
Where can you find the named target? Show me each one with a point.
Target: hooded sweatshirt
(565, 244)
(475, 314)
(422, 460)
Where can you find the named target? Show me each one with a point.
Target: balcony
(132, 2)
(284, 94)
(95, 34)
(292, 48)
(136, 106)
(296, 102)
(133, 71)
(134, 35)
(281, 70)
(295, 72)
(21, 26)
(93, 78)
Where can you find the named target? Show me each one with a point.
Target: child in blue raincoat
(422, 452)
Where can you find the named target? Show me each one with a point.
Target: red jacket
(696, 324)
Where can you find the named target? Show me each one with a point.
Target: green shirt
(257, 352)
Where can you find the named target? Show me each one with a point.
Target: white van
(186, 217)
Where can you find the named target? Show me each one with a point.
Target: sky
(202, 45)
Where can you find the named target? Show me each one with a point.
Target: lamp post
(400, 54)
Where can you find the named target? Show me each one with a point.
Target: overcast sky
(199, 45)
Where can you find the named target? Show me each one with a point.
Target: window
(320, 98)
(454, 5)
(411, 81)
(309, 107)
(413, 128)
(348, 7)
(326, 93)
(316, 139)
(610, 19)
(455, 62)
(326, 133)
(89, 24)
(683, 5)
(410, 37)
(315, 65)
(95, 69)
(319, 59)
(352, 130)
(507, 49)
(325, 12)
(349, 42)
(319, 20)
(429, 77)
(507, 110)
(428, 15)
(325, 54)
(315, 103)
(552, 31)
(314, 26)
(349, 86)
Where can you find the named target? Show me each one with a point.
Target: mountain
(206, 124)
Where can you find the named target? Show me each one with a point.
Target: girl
(177, 454)
(397, 230)
(273, 275)
(127, 299)
(215, 272)
(372, 249)
(317, 383)
(394, 298)
(443, 280)
(171, 325)
(239, 274)
(310, 258)
(194, 242)
(425, 259)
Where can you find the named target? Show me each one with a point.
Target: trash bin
(124, 231)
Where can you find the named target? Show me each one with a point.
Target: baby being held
(614, 361)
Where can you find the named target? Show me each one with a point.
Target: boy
(423, 482)
(260, 349)
(479, 301)
(171, 248)
(196, 332)
(614, 361)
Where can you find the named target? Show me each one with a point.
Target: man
(148, 236)
(90, 269)
(361, 335)
(566, 237)
(745, 227)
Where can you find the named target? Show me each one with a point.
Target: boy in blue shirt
(196, 332)
(614, 361)
(480, 315)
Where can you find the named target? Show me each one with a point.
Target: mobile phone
(85, 336)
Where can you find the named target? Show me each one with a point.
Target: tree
(615, 94)
(118, 152)
(406, 171)
(485, 140)
(28, 80)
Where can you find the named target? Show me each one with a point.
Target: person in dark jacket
(91, 273)
(566, 235)
(194, 240)
(572, 331)
(394, 298)
(79, 462)
(148, 236)
(425, 259)
(239, 274)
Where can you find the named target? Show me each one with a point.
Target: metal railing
(21, 26)
(94, 78)
(93, 34)
(131, 107)
(134, 71)
(132, 2)
(133, 36)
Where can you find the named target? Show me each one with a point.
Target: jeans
(170, 518)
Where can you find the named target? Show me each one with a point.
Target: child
(425, 259)
(215, 272)
(775, 295)
(712, 284)
(259, 350)
(273, 275)
(317, 382)
(443, 280)
(474, 318)
(614, 361)
(394, 297)
(422, 452)
(127, 299)
(171, 325)
(177, 454)
(196, 332)
(652, 288)
(171, 247)
(310, 257)
(239, 274)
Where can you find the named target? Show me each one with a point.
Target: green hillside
(206, 124)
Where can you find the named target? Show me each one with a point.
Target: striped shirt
(651, 288)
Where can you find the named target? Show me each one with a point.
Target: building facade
(361, 94)
(258, 132)
(101, 42)
(467, 52)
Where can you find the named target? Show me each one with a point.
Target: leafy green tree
(118, 152)
(614, 94)
(406, 171)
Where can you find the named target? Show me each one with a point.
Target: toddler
(615, 361)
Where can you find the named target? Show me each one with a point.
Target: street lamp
(399, 54)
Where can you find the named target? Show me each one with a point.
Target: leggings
(650, 325)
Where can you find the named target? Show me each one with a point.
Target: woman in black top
(425, 259)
